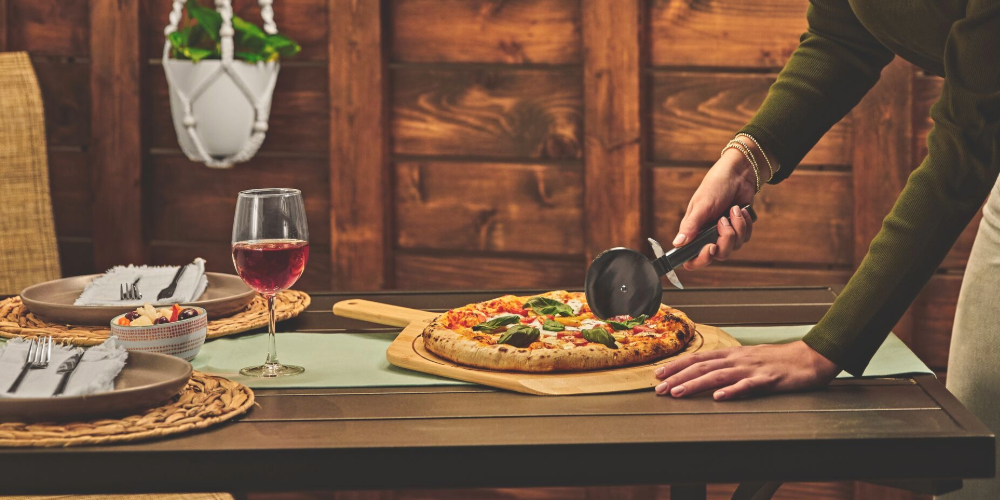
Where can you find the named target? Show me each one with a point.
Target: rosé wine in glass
(270, 266)
(270, 251)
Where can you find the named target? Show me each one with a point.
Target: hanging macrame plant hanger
(220, 108)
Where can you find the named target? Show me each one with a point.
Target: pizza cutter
(624, 281)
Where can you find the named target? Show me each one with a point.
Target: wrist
(823, 366)
(740, 168)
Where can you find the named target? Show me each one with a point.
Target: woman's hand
(745, 371)
(728, 185)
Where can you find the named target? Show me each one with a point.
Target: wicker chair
(28, 252)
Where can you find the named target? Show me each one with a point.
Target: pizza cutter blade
(624, 281)
(658, 252)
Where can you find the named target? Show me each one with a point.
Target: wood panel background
(481, 144)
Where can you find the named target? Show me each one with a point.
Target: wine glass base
(271, 370)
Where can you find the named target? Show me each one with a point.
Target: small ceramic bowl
(181, 338)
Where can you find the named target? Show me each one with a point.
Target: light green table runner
(330, 359)
(358, 360)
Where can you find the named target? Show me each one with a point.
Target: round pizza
(554, 331)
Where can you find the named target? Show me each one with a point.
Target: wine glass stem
(272, 348)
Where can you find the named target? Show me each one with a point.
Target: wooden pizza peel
(408, 351)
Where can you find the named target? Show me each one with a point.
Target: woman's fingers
(703, 259)
(739, 226)
(744, 388)
(727, 240)
(709, 381)
(733, 232)
(698, 214)
(692, 372)
(679, 365)
(746, 217)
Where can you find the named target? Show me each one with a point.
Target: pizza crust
(455, 347)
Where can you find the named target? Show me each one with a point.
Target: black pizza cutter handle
(674, 259)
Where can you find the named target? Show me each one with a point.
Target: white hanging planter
(220, 108)
(223, 117)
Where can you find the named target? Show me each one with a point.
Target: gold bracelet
(734, 144)
(762, 153)
(770, 170)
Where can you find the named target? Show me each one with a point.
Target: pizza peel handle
(383, 314)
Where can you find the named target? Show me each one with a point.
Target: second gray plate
(53, 300)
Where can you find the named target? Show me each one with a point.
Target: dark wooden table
(907, 431)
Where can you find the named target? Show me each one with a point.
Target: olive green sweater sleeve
(939, 200)
(835, 65)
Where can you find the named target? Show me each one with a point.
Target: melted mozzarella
(576, 305)
(554, 342)
(590, 323)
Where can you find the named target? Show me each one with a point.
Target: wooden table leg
(688, 492)
(756, 491)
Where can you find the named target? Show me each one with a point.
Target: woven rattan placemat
(17, 321)
(206, 401)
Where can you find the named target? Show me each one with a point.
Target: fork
(39, 354)
(168, 292)
(127, 292)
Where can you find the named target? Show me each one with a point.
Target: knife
(168, 292)
(67, 368)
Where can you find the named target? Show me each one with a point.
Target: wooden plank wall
(477, 144)
(487, 143)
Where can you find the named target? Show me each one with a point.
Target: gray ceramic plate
(53, 300)
(147, 380)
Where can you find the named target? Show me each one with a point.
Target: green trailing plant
(200, 40)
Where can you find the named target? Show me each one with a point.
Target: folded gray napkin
(106, 290)
(96, 372)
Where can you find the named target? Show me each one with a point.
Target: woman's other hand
(744, 371)
(729, 184)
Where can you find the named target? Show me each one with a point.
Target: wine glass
(270, 251)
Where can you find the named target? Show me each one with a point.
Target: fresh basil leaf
(209, 19)
(553, 325)
(628, 324)
(545, 305)
(519, 336)
(600, 336)
(495, 323)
